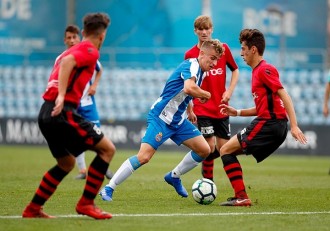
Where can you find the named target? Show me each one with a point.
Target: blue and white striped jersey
(172, 104)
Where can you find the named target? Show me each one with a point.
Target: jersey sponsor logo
(267, 71)
(207, 130)
(217, 71)
(159, 137)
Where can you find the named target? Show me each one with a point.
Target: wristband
(238, 112)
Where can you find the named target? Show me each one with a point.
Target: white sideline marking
(185, 214)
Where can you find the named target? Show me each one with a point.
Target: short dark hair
(72, 28)
(95, 23)
(253, 37)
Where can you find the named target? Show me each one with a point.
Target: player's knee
(212, 147)
(67, 163)
(111, 150)
(106, 150)
(224, 150)
(205, 152)
(144, 159)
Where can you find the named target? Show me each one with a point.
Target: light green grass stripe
(187, 214)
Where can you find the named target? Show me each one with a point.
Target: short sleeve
(270, 77)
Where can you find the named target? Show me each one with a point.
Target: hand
(325, 111)
(59, 104)
(298, 135)
(205, 98)
(225, 97)
(227, 110)
(192, 117)
(92, 90)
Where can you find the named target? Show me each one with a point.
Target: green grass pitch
(289, 192)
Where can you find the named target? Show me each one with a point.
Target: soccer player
(167, 120)
(67, 133)
(326, 97)
(87, 107)
(213, 125)
(269, 129)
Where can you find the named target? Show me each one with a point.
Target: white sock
(124, 171)
(81, 162)
(186, 164)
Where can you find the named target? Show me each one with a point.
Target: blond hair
(215, 44)
(203, 22)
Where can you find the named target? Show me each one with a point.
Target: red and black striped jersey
(265, 84)
(86, 56)
(213, 82)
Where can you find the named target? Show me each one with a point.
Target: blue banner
(28, 25)
(145, 32)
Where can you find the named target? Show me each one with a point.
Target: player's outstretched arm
(192, 89)
(326, 100)
(295, 130)
(92, 88)
(190, 113)
(233, 82)
(231, 111)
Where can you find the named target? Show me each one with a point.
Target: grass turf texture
(288, 192)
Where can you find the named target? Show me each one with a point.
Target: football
(204, 191)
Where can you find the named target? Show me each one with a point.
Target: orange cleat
(92, 211)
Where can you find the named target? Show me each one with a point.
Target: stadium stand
(127, 94)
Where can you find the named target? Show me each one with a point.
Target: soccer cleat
(92, 211)
(29, 212)
(81, 176)
(233, 201)
(108, 174)
(106, 193)
(176, 183)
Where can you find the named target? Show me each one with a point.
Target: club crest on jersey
(164, 113)
(159, 137)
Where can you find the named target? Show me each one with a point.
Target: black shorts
(262, 137)
(67, 133)
(214, 127)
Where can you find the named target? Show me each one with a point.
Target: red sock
(234, 172)
(47, 186)
(94, 180)
(207, 169)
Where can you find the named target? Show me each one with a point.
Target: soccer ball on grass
(204, 191)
